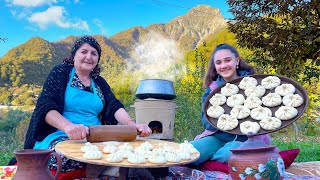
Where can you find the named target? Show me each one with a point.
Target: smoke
(155, 58)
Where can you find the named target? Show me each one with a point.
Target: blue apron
(80, 107)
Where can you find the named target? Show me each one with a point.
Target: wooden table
(71, 150)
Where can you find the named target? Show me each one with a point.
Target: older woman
(74, 97)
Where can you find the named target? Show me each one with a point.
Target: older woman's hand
(76, 131)
(143, 129)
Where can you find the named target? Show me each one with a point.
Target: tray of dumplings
(260, 103)
(140, 153)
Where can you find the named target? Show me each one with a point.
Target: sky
(54, 20)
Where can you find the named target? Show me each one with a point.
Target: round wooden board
(299, 90)
(71, 149)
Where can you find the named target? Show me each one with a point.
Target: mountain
(30, 63)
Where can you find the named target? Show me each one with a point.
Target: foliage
(10, 119)
(283, 34)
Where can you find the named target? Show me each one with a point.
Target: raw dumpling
(114, 157)
(252, 102)
(227, 122)
(188, 146)
(125, 146)
(236, 99)
(256, 91)
(270, 123)
(215, 111)
(110, 149)
(293, 100)
(160, 151)
(165, 147)
(286, 112)
(125, 153)
(247, 82)
(270, 82)
(146, 145)
(218, 99)
(173, 157)
(248, 126)
(185, 155)
(260, 113)
(157, 158)
(240, 112)
(285, 89)
(92, 154)
(89, 146)
(142, 151)
(272, 100)
(136, 159)
(229, 89)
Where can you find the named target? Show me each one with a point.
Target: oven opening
(155, 126)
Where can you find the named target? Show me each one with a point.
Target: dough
(218, 99)
(247, 82)
(227, 122)
(260, 113)
(215, 111)
(240, 112)
(157, 158)
(229, 89)
(125, 146)
(88, 146)
(285, 89)
(286, 112)
(248, 126)
(173, 157)
(270, 123)
(252, 102)
(272, 100)
(92, 154)
(110, 149)
(270, 82)
(114, 157)
(236, 99)
(256, 91)
(293, 100)
(136, 159)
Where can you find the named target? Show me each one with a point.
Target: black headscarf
(92, 42)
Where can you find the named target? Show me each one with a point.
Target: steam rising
(155, 58)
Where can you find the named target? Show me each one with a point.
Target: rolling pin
(111, 133)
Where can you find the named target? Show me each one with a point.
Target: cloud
(100, 26)
(31, 3)
(57, 15)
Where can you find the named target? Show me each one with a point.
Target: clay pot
(255, 160)
(33, 164)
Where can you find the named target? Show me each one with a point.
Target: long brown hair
(211, 74)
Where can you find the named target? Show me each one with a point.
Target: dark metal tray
(299, 90)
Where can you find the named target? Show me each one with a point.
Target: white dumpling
(136, 159)
(114, 157)
(173, 157)
(286, 112)
(188, 146)
(125, 146)
(270, 123)
(293, 100)
(160, 151)
(270, 82)
(157, 158)
(240, 112)
(165, 147)
(285, 89)
(146, 145)
(92, 154)
(229, 89)
(218, 99)
(260, 113)
(234, 100)
(215, 111)
(185, 155)
(272, 100)
(89, 146)
(248, 126)
(247, 82)
(142, 151)
(125, 153)
(252, 102)
(110, 149)
(227, 122)
(256, 91)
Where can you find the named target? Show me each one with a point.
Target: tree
(283, 34)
